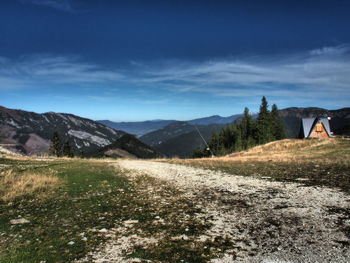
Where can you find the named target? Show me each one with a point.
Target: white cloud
(321, 73)
(52, 70)
(338, 50)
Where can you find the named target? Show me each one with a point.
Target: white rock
(103, 230)
(19, 221)
(131, 222)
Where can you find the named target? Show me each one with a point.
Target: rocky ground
(262, 220)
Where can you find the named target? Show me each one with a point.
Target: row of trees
(246, 132)
(57, 148)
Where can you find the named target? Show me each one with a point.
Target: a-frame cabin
(315, 128)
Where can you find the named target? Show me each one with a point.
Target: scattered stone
(130, 222)
(103, 230)
(181, 237)
(19, 221)
(242, 210)
(71, 243)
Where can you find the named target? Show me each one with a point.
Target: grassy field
(67, 206)
(313, 162)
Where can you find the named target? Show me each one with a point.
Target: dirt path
(266, 221)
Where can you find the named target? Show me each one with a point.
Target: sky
(182, 59)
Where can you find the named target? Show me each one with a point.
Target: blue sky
(139, 60)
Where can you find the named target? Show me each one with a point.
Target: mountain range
(30, 133)
(143, 127)
(180, 139)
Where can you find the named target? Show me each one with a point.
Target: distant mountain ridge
(144, 127)
(216, 119)
(137, 128)
(30, 133)
(184, 144)
(179, 139)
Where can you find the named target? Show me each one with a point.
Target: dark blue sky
(133, 60)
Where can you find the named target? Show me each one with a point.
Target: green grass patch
(89, 196)
(94, 195)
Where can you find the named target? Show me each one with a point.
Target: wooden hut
(315, 128)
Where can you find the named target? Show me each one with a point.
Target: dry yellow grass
(288, 150)
(14, 185)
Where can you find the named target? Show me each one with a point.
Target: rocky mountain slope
(30, 133)
(127, 146)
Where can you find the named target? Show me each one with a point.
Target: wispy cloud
(52, 70)
(318, 74)
(63, 5)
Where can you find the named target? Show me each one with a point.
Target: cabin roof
(309, 123)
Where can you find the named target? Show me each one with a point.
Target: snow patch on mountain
(46, 118)
(62, 116)
(90, 137)
(13, 123)
(75, 121)
(111, 130)
(100, 133)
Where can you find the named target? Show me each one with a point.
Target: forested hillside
(246, 132)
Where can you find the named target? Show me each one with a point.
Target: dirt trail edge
(267, 221)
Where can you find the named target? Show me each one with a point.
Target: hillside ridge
(30, 133)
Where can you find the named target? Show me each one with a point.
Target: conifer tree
(246, 132)
(238, 144)
(66, 150)
(246, 126)
(264, 123)
(279, 131)
(55, 146)
(198, 153)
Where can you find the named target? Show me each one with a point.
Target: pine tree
(214, 142)
(247, 132)
(237, 132)
(264, 123)
(227, 136)
(279, 131)
(198, 153)
(66, 150)
(55, 146)
(246, 128)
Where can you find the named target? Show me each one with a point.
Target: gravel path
(267, 221)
